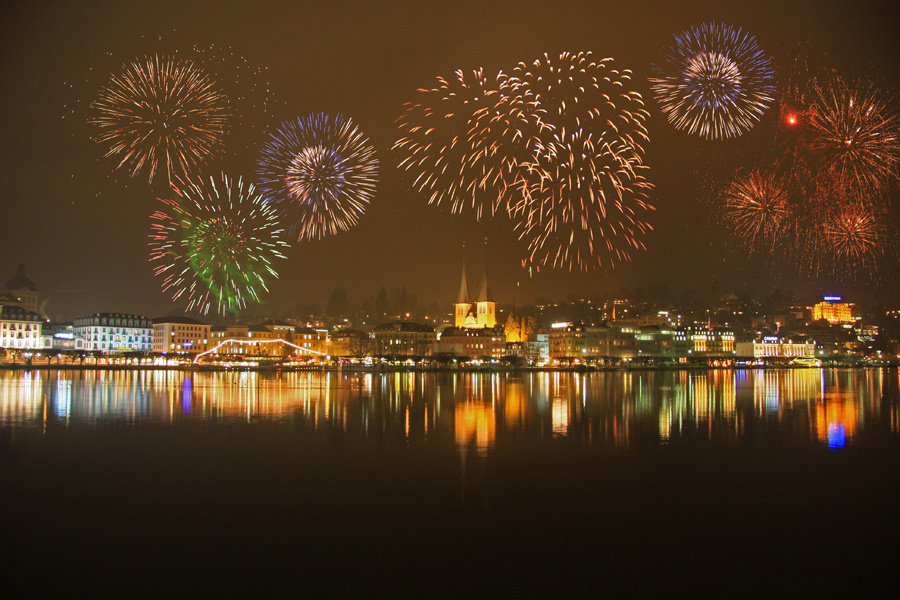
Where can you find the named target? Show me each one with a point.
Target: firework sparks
(582, 198)
(215, 242)
(714, 81)
(321, 169)
(459, 141)
(757, 206)
(583, 207)
(852, 233)
(855, 133)
(160, 114)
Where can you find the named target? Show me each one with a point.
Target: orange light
(792, 120)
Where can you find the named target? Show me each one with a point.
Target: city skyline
(83, 234)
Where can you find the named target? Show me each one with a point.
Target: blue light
(832, 298)
(837, 437)
(186, 395)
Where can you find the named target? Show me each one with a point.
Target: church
(475, 333)
(478, 314)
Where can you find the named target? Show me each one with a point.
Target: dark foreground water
(715, 483)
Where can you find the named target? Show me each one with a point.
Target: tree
(513, 329)
(359, 345)
(382, 304)
(529, 326)
(337, 303)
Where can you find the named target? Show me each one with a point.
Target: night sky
(82, 234)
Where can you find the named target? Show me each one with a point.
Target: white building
(176, 335)
(115, 332)
(20, 329)
(774, 347)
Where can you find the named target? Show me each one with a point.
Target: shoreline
(430, 369)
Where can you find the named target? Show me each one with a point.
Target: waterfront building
(61, 336)
(313, 341)
(472, 342)
(704, 342)
(570, 342)
(349, 343)
(20, 328)
(773, 347)
(537, 347)
(220, 333)
(115, 332)
(180, 335)
(655, 341)
(24, 290)
(404, 338)
(533, 351)
(281, 329)
(247, 340)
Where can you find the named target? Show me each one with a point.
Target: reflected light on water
(480, 410)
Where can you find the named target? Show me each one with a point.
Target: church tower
(480, 313)
(462, 302)
(486, 308)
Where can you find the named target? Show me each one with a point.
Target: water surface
(449, 484)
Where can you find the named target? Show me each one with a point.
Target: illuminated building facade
(774, 347)
(349, 343)
(655, 341)
(61, 336)
(403, 338)
(180, 335)
(834, 311)
(315, 341)
(482, 342)
(246, 340)
(20, 329)
(115, 332)
(707, 342)
(569, 342)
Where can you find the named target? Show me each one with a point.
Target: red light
(792, 119)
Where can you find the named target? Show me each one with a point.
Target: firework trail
(160, 114)
(583, 207)
(321, 172)
(582, 197)
(214, 241)
(714, 81)
(460, 140)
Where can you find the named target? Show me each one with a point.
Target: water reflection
(475, 411)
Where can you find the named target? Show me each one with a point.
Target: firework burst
(583, 208)
(714, 81)
(160, 113)
(459, 141)
(854, 134)
(756, 205)
(582, 197)
(321, 172)
(851, 233)
(215, 241)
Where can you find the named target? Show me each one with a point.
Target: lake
(450, 484)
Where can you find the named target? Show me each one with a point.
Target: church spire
(463, 288)
(484, 292)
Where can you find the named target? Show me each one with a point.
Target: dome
(20, 281)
